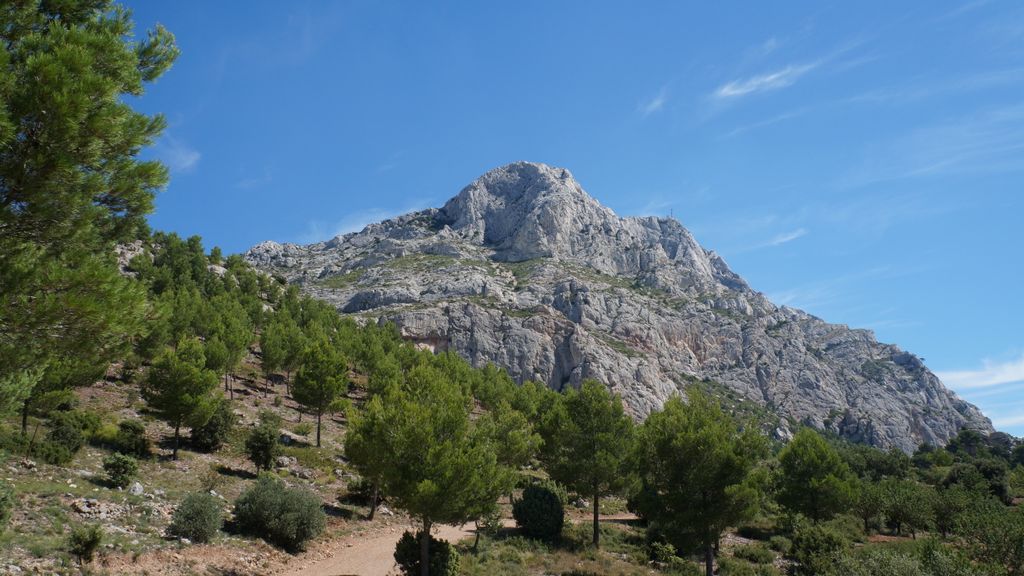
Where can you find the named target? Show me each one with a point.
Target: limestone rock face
(525, 270)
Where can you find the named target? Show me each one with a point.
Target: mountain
(526, 270)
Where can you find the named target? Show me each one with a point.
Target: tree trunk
(597, 528)
(24, 417)
(288, 383)
(373, 499)
(318, 414)
(231, 391)
(709, 560)
(425, 549)
(476, 541)
(177, 430)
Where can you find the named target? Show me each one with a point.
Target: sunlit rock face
(525, 270)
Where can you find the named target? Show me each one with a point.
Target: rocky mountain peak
(525, 270)
(526, 210)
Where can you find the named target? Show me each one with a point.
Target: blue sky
(863, 161)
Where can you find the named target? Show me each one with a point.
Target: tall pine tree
(71, 185)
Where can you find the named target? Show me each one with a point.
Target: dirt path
(373, 554)
(370, 554)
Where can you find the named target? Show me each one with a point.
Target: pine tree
(71, 184)
(180, 389)
(321, 380)
(368, 445)
(814, 479)
(271, 345)
(587, 439)
(441, 468)
(695, 465)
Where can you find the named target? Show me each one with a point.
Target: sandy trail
(374, 554)
(371, 555)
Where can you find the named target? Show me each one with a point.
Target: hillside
(525, 270)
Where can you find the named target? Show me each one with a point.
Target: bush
(539, 513)
(303, 428)
(212, 435)
(6, 504)
(444, 559)
(121, 469)
(262, 445)
(814, 547)
(754, 553)
(359, 491)
(199, 517)
(876, 563)
(282, 516)
(64, 432)
(131, 439)
(780, 544)
(105, 436)
(84, 541)
(733, 567)
(848, 526)
(665, 554)
(44, 450)
(84, 421)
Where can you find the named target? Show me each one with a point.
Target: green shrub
(6, 504)
(734, 567)
(51, 453)
(67, 436)
(105, 436)
(878, 562)
(558, 489)
(303, 428)
(359, 491)
(212, 435)
(69, 429)
(539, 513)
(282, 516)
(780, 544)
(939, 560)
(199, 517)
(850, 527)
(754, 553)
(444, 559)
(86, 421)
(83, 541)
(262, 445)
(665, 554)
(131, 439)
(121, 469)
(43, 449)
(814, 547)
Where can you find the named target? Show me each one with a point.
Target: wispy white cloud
(653, 104)
(176, 154)
(763, 82)
(766, 122)
(990, 374)
(787, 237)
(1008, 421)
(986, 142)
(255, 181)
